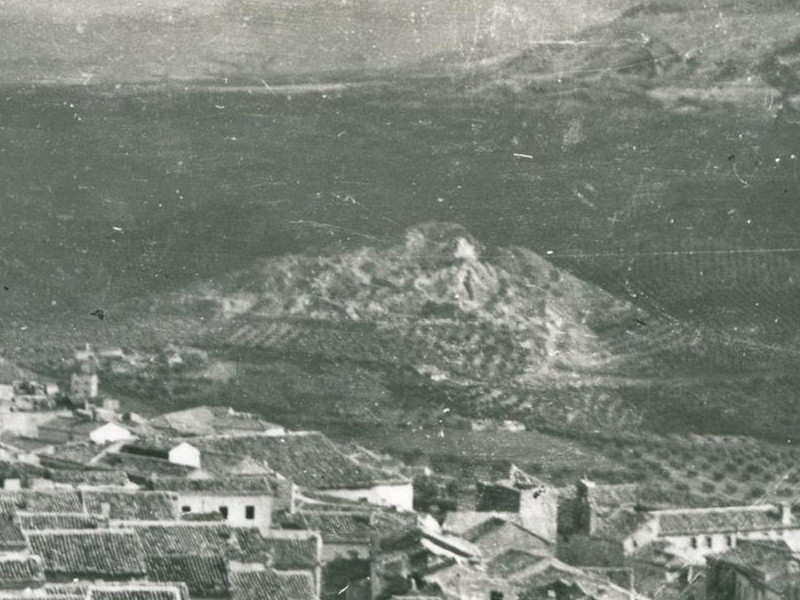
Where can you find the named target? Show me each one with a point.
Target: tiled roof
(182, 538)
(131, 505)
(651, 496)
(40, 521)
(7, 508)
(337, 526)
(243, 484)
(193, 421)
(44, 500)
(21, 571)
(590, 585)
(309, 459)
(415, 538)
(143, 467)
(91, 477)
(24, 443)
(324, 501)
(70, 424)
(621, 523)
(289, 550)
(204, 420)
(738, 518)
(204, 575)
(220, 464)
(11, 536)
(70, 455)
(768, 556)
(497, 535)
(257, 585)
(19, 470)
(484, 529)
(66, 589)
(511, 562)
(132, 593)
(95, 553)
(658, 553)
(119, 590)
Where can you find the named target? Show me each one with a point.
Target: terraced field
(715, 470)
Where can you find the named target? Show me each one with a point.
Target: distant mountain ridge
(106, 42)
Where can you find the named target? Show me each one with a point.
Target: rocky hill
(435, 300)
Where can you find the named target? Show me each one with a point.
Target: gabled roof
(43, 521)
(205, 420)
(343, 524)
(141, 467)
(588, 585)
(322, 500)
(135, 593)
(309, 459)
(183, 538)
(337, 526)
(92, 553)
(11, 536)
(19, 470)
(19, 571)
(90, 477)
(133, 505)
(112, 590)
(23, 443)
(649, 496)
(111, 426)
(288, 550)
(257, 585)
(72, 425)
(220, 464)
(241, 484)
(512, 562)
(658, 553)
(412, 539)
(72, 453)
(621, 523)
(205, 575)
(720, 520)
(767, 556)
(69, 501)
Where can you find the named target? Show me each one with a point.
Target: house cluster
(217, 504)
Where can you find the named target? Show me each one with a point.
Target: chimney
(785, 512)
(12, 484)
(105, 511)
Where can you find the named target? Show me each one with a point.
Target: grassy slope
(194, 203)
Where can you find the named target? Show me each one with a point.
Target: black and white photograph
(399, 300)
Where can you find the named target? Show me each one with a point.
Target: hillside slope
(434, 320)
(90, 41)
(435, 300)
